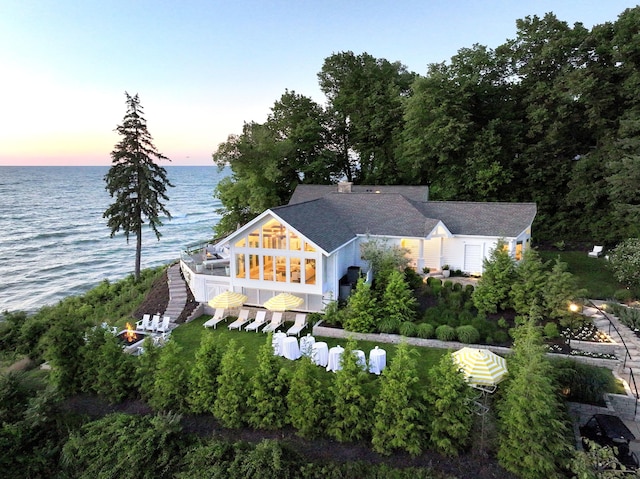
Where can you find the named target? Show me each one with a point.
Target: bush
(501, 337)
(444, 332)
(388, 325)
(468, 290)
(582, 382)
(502, 323)
(434, 282)
(425, 330)
(408, 328)
(413, 279)
(551, 330)
(467, 334)
(624, 295)
(457, 287)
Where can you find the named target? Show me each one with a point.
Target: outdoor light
(574, 308)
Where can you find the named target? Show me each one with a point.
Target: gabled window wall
(272, 252)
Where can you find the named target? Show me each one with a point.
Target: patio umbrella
(283, 302)
(228, 300)
(481, 367)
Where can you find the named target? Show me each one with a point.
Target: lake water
(54, 241)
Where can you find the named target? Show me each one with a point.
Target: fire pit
(131, 339)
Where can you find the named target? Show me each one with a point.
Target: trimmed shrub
(468, 289)
(425, 330)
(448, 284)
(457, 287)
(465, 317)
(551, 330)
(434, 282)
(624, 295)
(500, 337)
(444, 332)
(408, 328)
(388, 325)
(467, 334)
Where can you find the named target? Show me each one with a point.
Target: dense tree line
(551, 116)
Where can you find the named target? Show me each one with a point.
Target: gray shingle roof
(330, 219)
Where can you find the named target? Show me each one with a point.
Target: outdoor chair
(595, 252)
(164, 326)
(218, 317)
(243, 318)
(299, 324)
(155, 322)
(143, 324)
(261, 319)
(275, 323)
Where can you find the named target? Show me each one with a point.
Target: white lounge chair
(595, 252)
(163, 327)
(299, 324)
(218, 317)
(155, 322)
(243, 317)
(261, 319)
(143, 324)
(275, 323)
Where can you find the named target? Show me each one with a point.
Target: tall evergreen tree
(230, 404)
(361, 313)
(138, 184)
(203, 380)
(308, 405)
(533, 432)
(531, 278)
(398, 301)
(170, 386)
(399, 407)
(492, 291)
(267, 400)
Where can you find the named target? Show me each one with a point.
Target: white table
(290, 349)
(306, 344)
(361, 358)
(320, 353)
(335, 355)
(276, 342)
(377, 360)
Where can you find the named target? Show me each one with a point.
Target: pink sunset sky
(204, 67)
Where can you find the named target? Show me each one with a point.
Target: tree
(399, 410)
(170, 386)
(268, 390)
(449, 397)
(398, 302)
(230, 404)
(383, 259)
(531, 278)
(138, 184)
(361, 313)
(492, 290)
(533, 433)
(351, 418)
(307, 403)
(560, 291)
(203, 380)
(624, 262)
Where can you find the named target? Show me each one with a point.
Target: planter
(446, 273)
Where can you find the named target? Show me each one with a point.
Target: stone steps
(177, 293)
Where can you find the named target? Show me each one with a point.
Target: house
(308, 246)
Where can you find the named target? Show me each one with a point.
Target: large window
(518, 250)
(240, 269)
(295, 270)
(310, 271)
(254, 266)
(281, 269)
(268, 269)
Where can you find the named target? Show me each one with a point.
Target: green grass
(590, 273)
(188, 336)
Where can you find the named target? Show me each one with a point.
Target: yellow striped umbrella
(228, 300)
(283, 302)
(480, 366)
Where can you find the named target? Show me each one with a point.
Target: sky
(204, 68)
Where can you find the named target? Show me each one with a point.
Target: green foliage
(10, 325)
(624, 262)
(399, 411)
(362, 310)
(389, 325)
(624, 295)
(533, 432)
(413, 279)
(408, 329)
(352, 404)
(493, 289)
(383, 260)
(171, 386)
(582, 382)
(138, 184)
(560, 291)
(425, 330)
(467, 334)
(229, 406)
(449, 399)
(530, 282)
(114, 376)
(203, 379)
(333, 314)
(398, 301)
(444, 332)
(124, 446)
(267, 408)
(629, 316)
(307, 403)
(551, 330)
(145, 372)
(597, 462)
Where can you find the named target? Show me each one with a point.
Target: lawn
(590, 273)
(188, 337)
